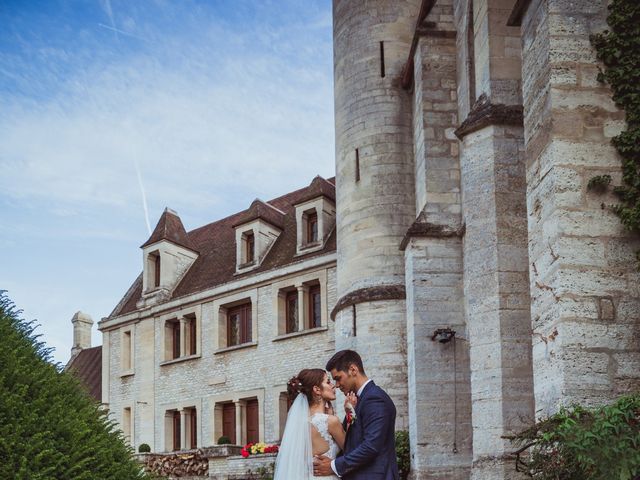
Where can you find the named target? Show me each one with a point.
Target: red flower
(244, 453)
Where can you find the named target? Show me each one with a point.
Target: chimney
(81, 332)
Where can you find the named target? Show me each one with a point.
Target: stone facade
(156, 372)
(520, 290)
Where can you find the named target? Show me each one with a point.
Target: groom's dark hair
(343, 359)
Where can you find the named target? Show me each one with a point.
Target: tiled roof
(170, 228)
(215, 243)
(87, 367)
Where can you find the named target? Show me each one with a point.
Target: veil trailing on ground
(295, 457)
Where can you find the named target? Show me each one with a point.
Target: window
(291, 314)
(176, 432)
(249, 244)
(153, 270)
(181, 337)
(127, 363)
(239, 325)
(192, 427)
(172, 339)
(315, 307)
(229, 421)
(312, 227)
(253, 427)
(126, 423)
(156, 278)
(190, 331)
(284, 405)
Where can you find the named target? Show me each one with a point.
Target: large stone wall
(584, 286)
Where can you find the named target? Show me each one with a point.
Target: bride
(312, 429)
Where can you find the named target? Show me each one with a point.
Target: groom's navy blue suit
(369, 451)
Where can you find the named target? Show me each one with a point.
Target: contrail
(144, 195)
(117, 30)
(107, 7)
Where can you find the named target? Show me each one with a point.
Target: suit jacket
(369, 451)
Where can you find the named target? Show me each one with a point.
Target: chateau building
(204, 341)
(479, 278)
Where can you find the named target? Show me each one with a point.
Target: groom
(369, 450)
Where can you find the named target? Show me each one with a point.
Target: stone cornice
(369, 294)
(430, 230)
(485, 113)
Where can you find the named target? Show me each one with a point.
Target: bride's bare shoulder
(334, 420)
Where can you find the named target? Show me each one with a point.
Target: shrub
(144, 448)
(403, 456)
(578, 443)
(50, 428)
(224, 440)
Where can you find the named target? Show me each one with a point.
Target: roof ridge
(267, 202)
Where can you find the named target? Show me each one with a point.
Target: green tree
(49, 426)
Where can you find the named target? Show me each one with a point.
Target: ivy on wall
(619, 50)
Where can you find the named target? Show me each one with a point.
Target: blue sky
(201, 105)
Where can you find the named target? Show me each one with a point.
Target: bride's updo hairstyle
(304, 382)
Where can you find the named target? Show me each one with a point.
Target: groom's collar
(361, 389)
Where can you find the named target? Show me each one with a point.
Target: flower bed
(258, 449)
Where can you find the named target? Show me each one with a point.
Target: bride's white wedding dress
(321, 422)
(295, 457)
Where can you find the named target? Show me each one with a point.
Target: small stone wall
(239, 468)
(221, 462)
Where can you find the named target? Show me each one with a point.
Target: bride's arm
(336, 431)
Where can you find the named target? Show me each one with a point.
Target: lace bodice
(321, 422)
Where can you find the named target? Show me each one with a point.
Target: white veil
(295, 457)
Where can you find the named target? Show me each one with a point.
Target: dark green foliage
(585, 444)
(144, 448)
(223, 440)
(403, 455)
(49, 426)
(619, 49)
(599, 183)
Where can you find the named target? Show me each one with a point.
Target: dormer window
(166, 256)
(256, 231)
(312, 226)
(315, 220)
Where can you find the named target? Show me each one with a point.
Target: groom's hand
(322, 466)
(350, 399)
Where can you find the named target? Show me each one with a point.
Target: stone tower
(375, 187)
